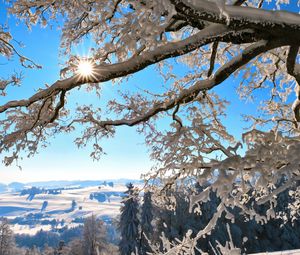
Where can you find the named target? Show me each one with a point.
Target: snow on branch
(241, 17)
(191, 93)
(104, 73)
(294, 70)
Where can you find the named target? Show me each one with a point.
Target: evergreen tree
(73, 205)
(7, 242)
(146, 226)
(129, 222)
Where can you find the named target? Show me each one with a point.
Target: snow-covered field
(291, 252)
(32, 212)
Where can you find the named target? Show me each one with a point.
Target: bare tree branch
(175, 117)
(212, 58)
(23, 59)
(239, 2)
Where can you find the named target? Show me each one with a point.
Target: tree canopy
(253, 40)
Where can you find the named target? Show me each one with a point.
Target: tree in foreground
(129, 223)
(250, 236)
(7, 242)
(146, 223)
(211, 41)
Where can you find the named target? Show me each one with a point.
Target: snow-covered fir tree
(146, 223)
(7, 242)
(129, 222)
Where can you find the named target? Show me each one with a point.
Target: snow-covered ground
(32, 212)
(291, 252)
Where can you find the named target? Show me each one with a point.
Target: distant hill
(17, 186)
(56, 204)
(3, 187)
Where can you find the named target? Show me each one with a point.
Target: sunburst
(86, 69)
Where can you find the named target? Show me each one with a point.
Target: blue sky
(126, 157)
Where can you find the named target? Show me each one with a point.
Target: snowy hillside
(291, 252)
(44, 207)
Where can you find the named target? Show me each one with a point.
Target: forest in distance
(198, 98)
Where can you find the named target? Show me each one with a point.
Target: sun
(85, 68)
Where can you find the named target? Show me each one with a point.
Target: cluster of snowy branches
(175, 229)
(153, 228)
(216, 40)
